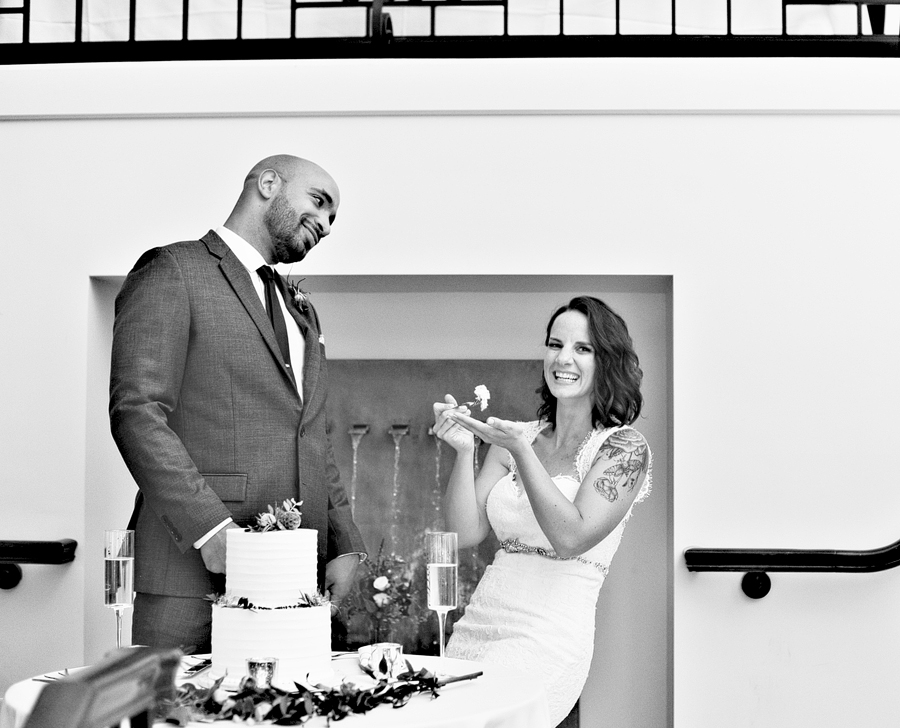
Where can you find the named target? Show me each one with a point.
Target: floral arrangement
(286, 517)
(388, 604)
(252, 704)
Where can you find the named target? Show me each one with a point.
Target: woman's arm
(603, 499)
(465, 500)
(151, 340)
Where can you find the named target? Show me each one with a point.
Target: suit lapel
(312, 353)
(239, 279)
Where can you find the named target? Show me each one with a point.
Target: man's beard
(282, 224)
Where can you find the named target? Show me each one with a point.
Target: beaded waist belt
(514, 546)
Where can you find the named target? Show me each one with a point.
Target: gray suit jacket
(207, 418)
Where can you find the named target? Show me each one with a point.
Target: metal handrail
(38, 552)
(879, 559)
(757, 562)
(13, 553)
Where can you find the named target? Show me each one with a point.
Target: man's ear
(268, 183)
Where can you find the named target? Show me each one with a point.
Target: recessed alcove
(397, 343)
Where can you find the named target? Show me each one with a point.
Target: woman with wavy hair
(557, 492)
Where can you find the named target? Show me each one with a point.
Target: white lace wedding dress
(532, 609)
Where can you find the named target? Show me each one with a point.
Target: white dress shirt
(251, 259)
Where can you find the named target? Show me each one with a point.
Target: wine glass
(118, 559)
(442, 564)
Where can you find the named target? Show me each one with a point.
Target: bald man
(214, 414)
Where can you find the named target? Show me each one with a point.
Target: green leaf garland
(252, 704)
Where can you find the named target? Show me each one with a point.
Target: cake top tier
(271, 569)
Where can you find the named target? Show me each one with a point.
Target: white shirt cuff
(203, 539)
(362, 556)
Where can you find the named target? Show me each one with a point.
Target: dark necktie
(273, 306)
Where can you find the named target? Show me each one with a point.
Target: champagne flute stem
(118, 611)
(442, 619)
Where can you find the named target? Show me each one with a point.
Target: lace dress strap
(587, 453)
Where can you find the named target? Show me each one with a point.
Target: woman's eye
(553, 345)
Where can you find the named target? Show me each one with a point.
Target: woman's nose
(565, 354)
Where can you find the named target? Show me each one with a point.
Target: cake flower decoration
(482, 397)
(234, 602)
(286, 517)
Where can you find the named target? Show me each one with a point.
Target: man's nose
(324, 225)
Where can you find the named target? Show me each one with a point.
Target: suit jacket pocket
(229, 487)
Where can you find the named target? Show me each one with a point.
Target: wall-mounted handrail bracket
(13, 553)
(10, 576)
(756, 584)
(759, 561)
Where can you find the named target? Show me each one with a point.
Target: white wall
(451, 317)
(763, 187)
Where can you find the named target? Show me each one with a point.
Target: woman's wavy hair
(617, 381)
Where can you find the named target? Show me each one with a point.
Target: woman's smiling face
(569, 361)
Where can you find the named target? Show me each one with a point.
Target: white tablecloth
(500, 698)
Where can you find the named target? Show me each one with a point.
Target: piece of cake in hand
(271, 607)
(482, 397)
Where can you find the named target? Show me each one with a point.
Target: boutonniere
(299, 297)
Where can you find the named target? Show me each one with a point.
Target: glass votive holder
(383, 660)
(262, 670)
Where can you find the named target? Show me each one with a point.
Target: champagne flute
(118, 559)
(442, 563)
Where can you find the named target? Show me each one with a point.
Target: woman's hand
(450, 431)
(494, 431)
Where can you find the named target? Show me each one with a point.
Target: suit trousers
(164, 621)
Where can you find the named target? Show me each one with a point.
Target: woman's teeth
(563, 377)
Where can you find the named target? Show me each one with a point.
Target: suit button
(302, 432)
(176, 534)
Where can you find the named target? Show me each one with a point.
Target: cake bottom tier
(299, 639)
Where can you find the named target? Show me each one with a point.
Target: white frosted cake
(269, 580)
